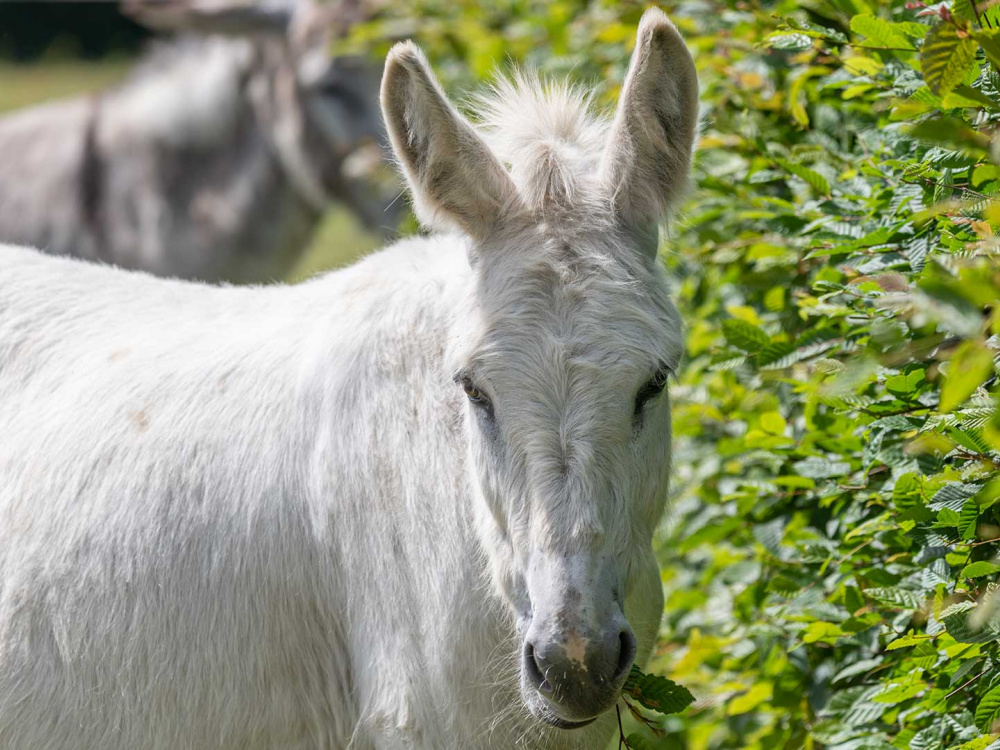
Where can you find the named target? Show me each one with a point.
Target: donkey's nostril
(626, 652)
(534, 670)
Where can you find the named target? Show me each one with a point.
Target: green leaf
(637, 741)
(657, 693)
(952, 132)
(904, 641)
(966, 96)
(897, 693)
(825, 632)
(968, 519)
(946, 58)
(816, 467)
(980, 569)
(988, 710)
(760, 693)
(965, 629)
(882, 33)
(904, 385)
(896, 597)
(971, 364)
(989, 40)
(814, 179)
(789, 41)
(744, 335)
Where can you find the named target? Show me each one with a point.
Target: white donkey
(408, 504)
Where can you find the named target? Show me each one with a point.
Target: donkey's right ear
(456, 180)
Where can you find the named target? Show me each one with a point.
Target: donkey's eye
(475, 395)
(653, 388)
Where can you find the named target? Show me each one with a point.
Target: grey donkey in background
(218, 156)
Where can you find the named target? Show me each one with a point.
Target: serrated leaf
(896, 597)
(897, 693)
(657, 693)
(816, 467)
(988, 710)
(744, 335)
(789, 41)
(964, 629)
(859, 667)
(953, 495)
(904, 641)
(880, 33)
(968, 519)
(980, 569)
(946, 57)
(814, 179)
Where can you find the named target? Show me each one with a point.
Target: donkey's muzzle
(578, 675)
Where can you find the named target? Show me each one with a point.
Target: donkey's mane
(549, 136)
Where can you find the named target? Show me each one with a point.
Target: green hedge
(831, 562)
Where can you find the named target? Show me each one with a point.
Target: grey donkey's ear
(647, 161)
(456, 180)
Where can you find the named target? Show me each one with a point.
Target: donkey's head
(319, 110)
(565, 346)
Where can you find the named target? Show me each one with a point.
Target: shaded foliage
(831, 563)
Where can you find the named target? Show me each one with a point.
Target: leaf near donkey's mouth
(656, 693)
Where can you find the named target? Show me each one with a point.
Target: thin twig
(967, 683)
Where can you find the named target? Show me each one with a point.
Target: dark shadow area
(30, 29)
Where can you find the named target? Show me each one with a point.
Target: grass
(338, 241)
(24, 85)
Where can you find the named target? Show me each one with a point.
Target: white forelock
(548, 134)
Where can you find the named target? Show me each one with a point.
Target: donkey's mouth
(555, 721)
(546, 715)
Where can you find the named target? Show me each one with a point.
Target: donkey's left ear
(456, 180)
(647, 162)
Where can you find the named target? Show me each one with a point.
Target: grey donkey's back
(213, 161)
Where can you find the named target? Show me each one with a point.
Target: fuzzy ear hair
(647, 161)
(456, 180)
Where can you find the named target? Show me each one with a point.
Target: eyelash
(653, 388)
(476, 396)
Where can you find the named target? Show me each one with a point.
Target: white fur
(268, 517)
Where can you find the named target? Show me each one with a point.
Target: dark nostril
(626, 652)
(534, 670)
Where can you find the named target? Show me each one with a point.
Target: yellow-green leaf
(826, 632)
(751, 699)
(881, 33)
(968, 369)
(946, 57)
(980, 569)
(773, 423)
